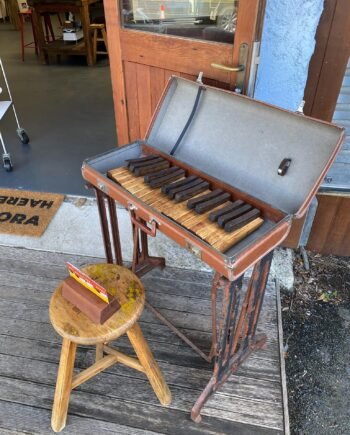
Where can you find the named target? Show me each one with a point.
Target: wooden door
(150, 40)
(327, 74)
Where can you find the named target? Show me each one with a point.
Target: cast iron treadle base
(214, 384)
(236, 334)
(235, 338)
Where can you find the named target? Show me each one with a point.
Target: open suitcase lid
(242, 142)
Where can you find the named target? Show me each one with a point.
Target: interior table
(58, 47)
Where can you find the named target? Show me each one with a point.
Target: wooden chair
(75, 328)
(98, 33)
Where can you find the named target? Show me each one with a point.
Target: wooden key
(171, 193)
(140, 160)
(205, 229)
(214, 216)
(188, 193)
(195, 201)
(161, 173)
(168, 187)
(194, 218)
(159, 199)
(226, 241)
(132, 167)
(160, 181)
(137, 187)
(240, 221)
(212, 203)
(155, 167)
(148, 196)
(119, 173)
(178, 211)
(233, 214)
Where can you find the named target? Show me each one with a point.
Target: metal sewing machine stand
(235, 338)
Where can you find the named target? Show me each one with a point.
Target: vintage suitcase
(238, 144)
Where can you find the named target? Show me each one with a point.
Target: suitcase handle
(141, 224)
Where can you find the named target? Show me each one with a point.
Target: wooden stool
(22, 16)
(95, 30)
(76, 328)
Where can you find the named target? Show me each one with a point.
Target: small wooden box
(91, 305)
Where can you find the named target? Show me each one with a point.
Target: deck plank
(23, 417)
(120, 400)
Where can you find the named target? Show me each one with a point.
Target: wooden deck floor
(120, 400)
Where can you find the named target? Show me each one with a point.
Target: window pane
(212, 20)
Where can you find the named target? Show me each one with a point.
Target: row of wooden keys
(179, 187)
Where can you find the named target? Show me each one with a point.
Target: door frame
(328, 63)
(249, 20)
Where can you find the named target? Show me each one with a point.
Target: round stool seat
(75, 326)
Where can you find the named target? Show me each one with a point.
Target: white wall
(288, 43)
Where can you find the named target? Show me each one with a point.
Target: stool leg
(63, 385)
(148, 362)
(94, 46)
(34, 36)
(47, 36)
(104, 36)
(59, 19)
(49, 24)
(99, 351)
(21, 21)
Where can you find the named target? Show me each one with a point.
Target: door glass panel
(212, 20)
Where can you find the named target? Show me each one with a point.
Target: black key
(212, 203)
(171, 194)
(233, 214)
(140, 159)
(160, 181)
(193, 202)
(188, 193)
(241, 221)
(132, 167)
(214, 216)
(155, 167)
(168, 187)
(161, 173)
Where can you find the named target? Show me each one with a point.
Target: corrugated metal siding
(339, 175)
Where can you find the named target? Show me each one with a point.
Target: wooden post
(149, 364)
(63, 385)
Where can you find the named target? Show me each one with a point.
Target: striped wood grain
(203, 228)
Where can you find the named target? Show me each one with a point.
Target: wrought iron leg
(142, 262)
(236, 334)
(115, 230)
(110, 233)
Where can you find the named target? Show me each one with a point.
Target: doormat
(27, 213)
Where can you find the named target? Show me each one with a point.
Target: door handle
(240, 69)
(228, 68)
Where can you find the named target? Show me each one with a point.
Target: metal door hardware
(240, 69)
